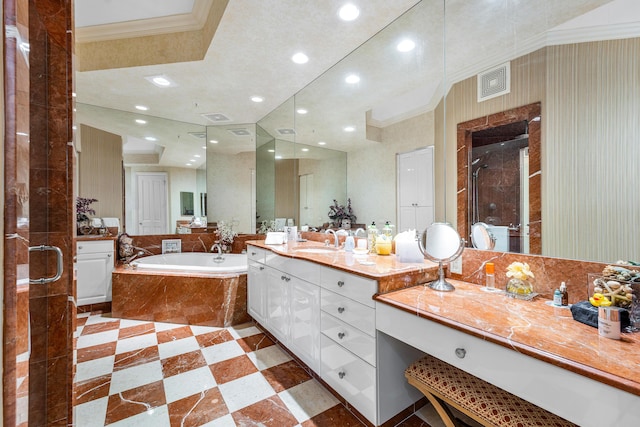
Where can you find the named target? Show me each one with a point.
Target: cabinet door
(424, 217)
(423, 159)
(407, 179)
(305, 321)
(256, 286)
(277, 304)
(94, 278)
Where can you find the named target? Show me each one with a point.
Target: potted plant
(342, 216)
(226, 234)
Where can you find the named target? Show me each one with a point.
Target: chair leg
(443, 410)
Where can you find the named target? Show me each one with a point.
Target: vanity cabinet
(257, 278)
(94, 265)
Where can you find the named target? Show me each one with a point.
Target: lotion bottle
(564, 295)
(490, 278)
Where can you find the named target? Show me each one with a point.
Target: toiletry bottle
(564, 295)
(372, 235)
(557, 297)
(490, 278)
(349, 243)
(387, 230)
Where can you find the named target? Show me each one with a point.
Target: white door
(306, 200)
(152, 203)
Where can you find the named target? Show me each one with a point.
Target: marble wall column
(52, 210)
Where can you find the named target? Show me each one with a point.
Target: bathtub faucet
(217, 246)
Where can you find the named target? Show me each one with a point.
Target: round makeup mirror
(481, 237)
(441, 243)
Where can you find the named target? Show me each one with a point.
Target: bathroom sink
(316, 250)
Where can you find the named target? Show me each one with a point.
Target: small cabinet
(95, 263)
(257, 284)
(415, 189)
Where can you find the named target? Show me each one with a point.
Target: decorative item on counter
(267, 226)
(585, 312)
(83, 210)
(520, 283)
(342, 216)
(618, 286)
(383, 245)
(372, 235)
(349, 243)
(609, 322)
(564, 295)
(387, 230)
(226, 234)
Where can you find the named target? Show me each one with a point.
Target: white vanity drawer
(97, 246)
(304, 270)
(350, 376)
(349, 337)
(355, 287)
(256, 254)
(349, 311)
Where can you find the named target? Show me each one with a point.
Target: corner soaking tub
(186, 288)
(194, 261)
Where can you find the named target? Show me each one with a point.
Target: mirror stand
(441, 243)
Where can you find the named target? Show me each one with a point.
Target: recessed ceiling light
(204, 147)
(300, 58)
(213, 141)
(257, 98)
(142, 107)
(161, 80)
(278, 157)
(271, 150)
(406, 45)
(188, 164)
(196, 155)
(301, 111)
(192, 160)
(352, 79)
(349, 129)
(150, 138)
(305, 149)
(348, 12)
(322, 143)
(141, 122)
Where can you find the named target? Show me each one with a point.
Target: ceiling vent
(286, 131)
(494, 82)
(216, 117)
(240, 132)
(199, 135)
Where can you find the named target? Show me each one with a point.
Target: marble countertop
(390, 273)
(534, 328)
(93, 237)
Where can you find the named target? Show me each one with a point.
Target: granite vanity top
(534, 328)
(94, 237)
(390, 273)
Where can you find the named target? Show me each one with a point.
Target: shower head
(475, 161)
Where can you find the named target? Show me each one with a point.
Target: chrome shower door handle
(59, 267)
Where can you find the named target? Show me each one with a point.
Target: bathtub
(184, 288)
(194, 261)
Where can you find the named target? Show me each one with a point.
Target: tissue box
(586, 313)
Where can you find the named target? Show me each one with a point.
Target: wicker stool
(487, 404)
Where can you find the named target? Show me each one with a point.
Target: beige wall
(100, 171)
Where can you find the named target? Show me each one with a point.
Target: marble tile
(224, 421)
(255, 342)
(220, 352)
(174, 334)
(181, 363)
(307, 400)
(92, 389)
(199, 330)
(137, 330)
(92, 413)
(213, 338)
(231, 369)
(198, 409)
(94, 368)
(136, 376)
(286, 375)
(270, 412)
(85, 354)
(244, 330)
(245, 391)
(136, 357)
(97, 339)
(268, 357)
(337, 415)
(136, 343)
(189, 383)
(173, 348)
(152, 418)
(100, 327)
(134, 401)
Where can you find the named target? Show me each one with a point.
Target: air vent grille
(216, 117)
(494, 82)
(286, 131)
(199, 135)
(240, 132)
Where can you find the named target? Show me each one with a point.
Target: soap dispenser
(349, 243)
(372, 235)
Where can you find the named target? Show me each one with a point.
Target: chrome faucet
(359, 230)
(217, 246)
(335, 236)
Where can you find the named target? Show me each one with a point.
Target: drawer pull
(341, 310)
(341, 335)
(461, 352)
(261, 268)
(340, 283)
(285, 278)
(79, 247)
(341, 374)
(254, 253)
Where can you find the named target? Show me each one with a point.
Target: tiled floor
(134, 373)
